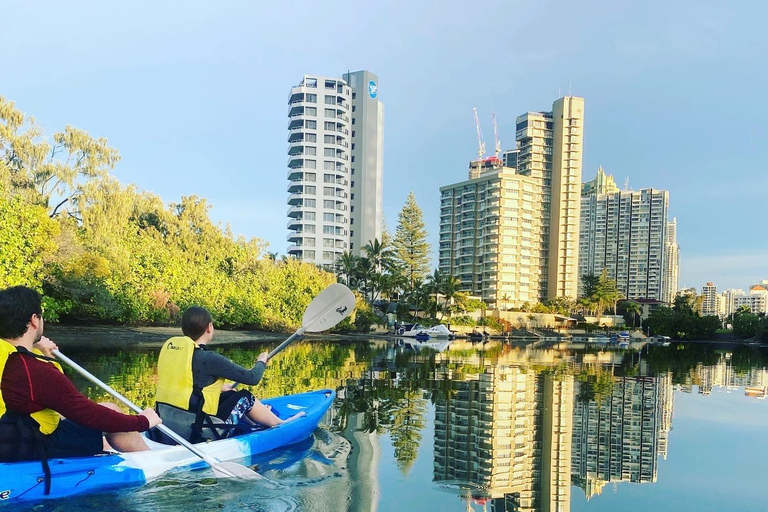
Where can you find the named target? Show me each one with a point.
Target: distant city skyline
(194, 100)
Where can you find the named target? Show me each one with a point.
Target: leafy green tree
(28, 240)
(589, 284)
(411, 241)
(45, 174)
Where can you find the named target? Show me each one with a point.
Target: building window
(310, 203)
(354, 95)
(329, 126)
(310, 164)
(329, 139)
(351, 209)
(329, 112)
(353, 120)
(310, 255)
(309, 228)
(328, 191)
(310, 111)
(351, 221)
(309, 189)
(329, 166)
(351, 233)
(310, 150)
(353, 158)
(353, 184)
(330, 100)
(329, 152)
(351, 246)
(328, 230)
(309, 241)
(310, 137)
(353, 108)
(353, 145)
(328, 217)
(310, 216)
(310, 124)
(309, 176)
(353, 133)
(353, 171)
(351, 196)
(328, 178)
(310, 98)
(327, 255)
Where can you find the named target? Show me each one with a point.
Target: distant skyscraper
(671, 263)
(509, 234)
(710, 302)
(325, 148)
(624, 233)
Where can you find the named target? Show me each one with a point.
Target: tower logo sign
(373, 89)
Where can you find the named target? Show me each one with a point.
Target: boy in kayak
(34, 392)
(191, 378)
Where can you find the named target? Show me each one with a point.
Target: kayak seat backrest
(184, 424)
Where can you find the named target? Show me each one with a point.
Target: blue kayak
(24, 481)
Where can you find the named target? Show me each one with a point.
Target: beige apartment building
(510, 235)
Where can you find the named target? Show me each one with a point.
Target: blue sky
(194, 96)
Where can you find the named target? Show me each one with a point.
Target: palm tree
(346, 265)
(379, 254)
(435, 284)
(451, 287)
(632, 308)
(367, 274)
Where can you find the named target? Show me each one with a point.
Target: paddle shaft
(165, 430)
(287, 342)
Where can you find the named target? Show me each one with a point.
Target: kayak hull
(24, 481)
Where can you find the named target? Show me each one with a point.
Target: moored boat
(25, 481)
(414, 330)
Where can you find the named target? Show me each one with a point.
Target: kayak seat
(185, 424)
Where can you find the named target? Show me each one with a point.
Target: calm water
(494, 427)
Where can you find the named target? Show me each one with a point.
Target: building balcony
(297, 198)
(296, 212)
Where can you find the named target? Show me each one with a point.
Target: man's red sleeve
(53, 390)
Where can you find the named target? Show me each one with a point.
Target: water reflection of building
(620, 438)
(723, 374)
(507, 430)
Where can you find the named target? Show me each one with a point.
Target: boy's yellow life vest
(174, 376)
(47, 419)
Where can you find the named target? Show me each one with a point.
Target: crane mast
(496, 136)
(480, 143)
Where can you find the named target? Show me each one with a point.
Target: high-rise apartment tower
(334, 166)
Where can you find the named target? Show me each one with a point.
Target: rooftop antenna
(496, 136)
(569, 88)
(480, 143)
(626, 184)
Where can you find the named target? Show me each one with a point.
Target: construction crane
(496, 136)
(480, 143)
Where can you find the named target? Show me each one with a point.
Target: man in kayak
(34, 392)
(191, 378)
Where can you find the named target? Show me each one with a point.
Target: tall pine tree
(411, 241)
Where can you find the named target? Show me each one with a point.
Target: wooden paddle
(220, 469)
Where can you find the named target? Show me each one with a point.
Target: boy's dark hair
(195, 321)
(17, 305)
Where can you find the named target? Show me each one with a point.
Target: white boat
(437, 346)
(414, 330)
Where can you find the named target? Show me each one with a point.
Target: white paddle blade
(234, 470)
(330, 307)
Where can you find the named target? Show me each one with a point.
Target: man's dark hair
(195, 321)
(17, 305)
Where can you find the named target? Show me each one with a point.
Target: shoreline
(100, 336)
